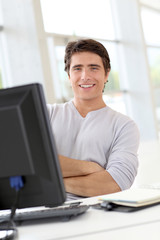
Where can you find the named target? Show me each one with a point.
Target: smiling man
(97, 146)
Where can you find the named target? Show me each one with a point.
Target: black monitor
(27, 149)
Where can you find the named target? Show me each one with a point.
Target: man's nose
(85, 75)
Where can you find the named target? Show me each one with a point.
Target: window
(0, 62)
(0, 79)
(1, 28)
(150, 18)
(78, 19)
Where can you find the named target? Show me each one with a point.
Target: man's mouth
(86, 86)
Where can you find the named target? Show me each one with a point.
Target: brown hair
(86, 45)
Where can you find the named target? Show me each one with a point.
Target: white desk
(98, 224)
(95, 224)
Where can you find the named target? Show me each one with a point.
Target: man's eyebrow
(78, 65)
(89, 65)
(94, 65)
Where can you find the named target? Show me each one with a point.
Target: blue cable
(16, 182)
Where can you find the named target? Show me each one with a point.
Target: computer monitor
(27, 149)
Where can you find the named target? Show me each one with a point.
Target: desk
(98, 224)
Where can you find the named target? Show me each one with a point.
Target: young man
(97, 146)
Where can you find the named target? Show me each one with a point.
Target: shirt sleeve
(123, 160)
(50, 109)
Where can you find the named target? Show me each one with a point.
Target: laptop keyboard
(64, 212)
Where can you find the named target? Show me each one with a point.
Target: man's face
(87, 75)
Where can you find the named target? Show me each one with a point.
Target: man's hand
(85, 178)
(73, 167)
(94, 184)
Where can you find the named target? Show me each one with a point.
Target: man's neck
(86, 106)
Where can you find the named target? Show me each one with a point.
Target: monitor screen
(27, 149)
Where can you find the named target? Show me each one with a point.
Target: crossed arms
(85, 178)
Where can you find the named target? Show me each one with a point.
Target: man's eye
(94, 68)
(76, 69)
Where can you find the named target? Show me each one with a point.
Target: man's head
(86, 45)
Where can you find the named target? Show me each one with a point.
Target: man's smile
(86, 85)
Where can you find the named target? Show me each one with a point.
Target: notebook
(135, 197)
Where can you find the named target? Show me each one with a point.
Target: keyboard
(63, 212)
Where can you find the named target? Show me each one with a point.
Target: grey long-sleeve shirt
(104, 136)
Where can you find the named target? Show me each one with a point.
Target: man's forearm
(94, 184)
(73, 167)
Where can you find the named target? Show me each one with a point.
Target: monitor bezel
(50, 190)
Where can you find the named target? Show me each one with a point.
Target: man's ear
(106, 77)
(69, 79)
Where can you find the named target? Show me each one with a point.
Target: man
(97, 146)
